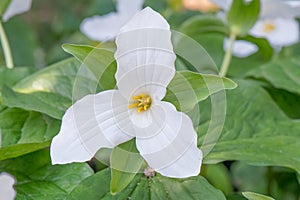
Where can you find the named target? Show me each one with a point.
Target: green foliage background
(257, 152)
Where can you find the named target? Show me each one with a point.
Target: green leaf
(17, 150)
(100, 61)
(188, 88)
(38, 179)
(256, 130)
(52, 90)
(142, 188)
(3, 6)
(28, 132)
(287, 101)
(51, 104)
(10, 77)
(255, 196)
(219, 176)
(202, 24)
(282, 74)
(125, 163)
(242, 16)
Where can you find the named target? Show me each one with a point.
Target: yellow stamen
(142, 102)
(133, 105)
(269, 27)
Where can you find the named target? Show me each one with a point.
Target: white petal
(278, 8)
(129, 7)
(144, 40)
(91, 123)
(286, 31)
(102, 28)
(7, 191)
(146, 79)
(293, 3)
(241, 48)
(16, 7)
(149, 123)
(173, 151)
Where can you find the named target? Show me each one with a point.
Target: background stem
(6, 48)
(228, 55)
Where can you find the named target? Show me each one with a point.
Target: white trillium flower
(276, 24)
(241, 48)
(16, 7)
(145, 66)
(7, 191)
(278, 31)
(106, 27)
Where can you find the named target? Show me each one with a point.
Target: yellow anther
(269, 26)
(135, 97)
(133, 105)
(140, 109)
(142, 102)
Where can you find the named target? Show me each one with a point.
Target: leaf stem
(228, 55)
(6, 48)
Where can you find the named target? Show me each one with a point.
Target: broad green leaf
(100, 61)
(256, 130)
(141, 188)
(281, 73)
(125, 162)
(3, 6)
(202, 24)
(188, 88)
(255, 196)
(10, 77)
(21, 149)
(52, 104)
(38, 179)
(242, 16)
(287, 101)
(28, 132)
(219, 176)
(52, 90)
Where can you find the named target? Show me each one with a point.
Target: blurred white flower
(293, 3)
(241, 48)
(106, 27)
(7, 191)
(16, 7)
(278, 31)
(164, 137)
(276, 23)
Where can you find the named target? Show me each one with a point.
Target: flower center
(142, 102)
(269, 27)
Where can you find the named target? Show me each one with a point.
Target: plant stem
(6, 48)
(228, 55)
